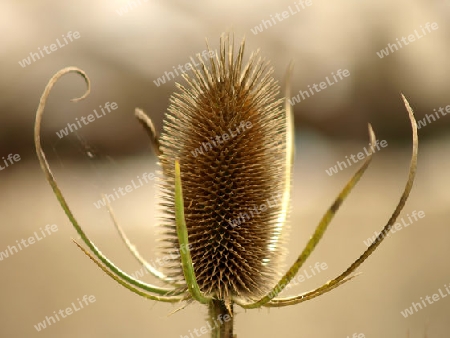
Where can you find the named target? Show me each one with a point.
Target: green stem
(220, 319)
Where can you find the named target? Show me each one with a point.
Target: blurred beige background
(124, 55)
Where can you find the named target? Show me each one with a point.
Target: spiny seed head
(228, 130)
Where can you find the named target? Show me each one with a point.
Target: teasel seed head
(228, 130)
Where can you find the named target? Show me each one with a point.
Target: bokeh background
(124, 49)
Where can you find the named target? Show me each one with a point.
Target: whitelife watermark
(130, 5)
(277, 17)
(398, 226)
(11, 159)
(415, 307)
(307, 274)
(169, 75)
(317, 88)
(357, 335)
(160, 262)
(244, 216)
(147, 177)
(221, 139)
(318, 267)
(403, 41)
(431, 118)
(355, 158)
(71, 127)
(25, 243)
(64, 313)
(208, 328)
(34, 56)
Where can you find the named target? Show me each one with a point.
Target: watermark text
(277, 17)
(317, 88)
(146, 177)
(64, 313)
(416, 215)
(404, 41)
(25, 243)
(11, 159)
(415, 307)
(181, 69)
(71, 127)
(221, 139)
(34, 56)
(355, 158)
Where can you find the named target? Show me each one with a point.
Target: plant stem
(220, 319)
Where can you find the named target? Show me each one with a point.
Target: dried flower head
(226, 154)
(228, 131)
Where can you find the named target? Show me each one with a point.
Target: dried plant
(225, 259)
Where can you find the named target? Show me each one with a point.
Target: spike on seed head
(228, 131)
